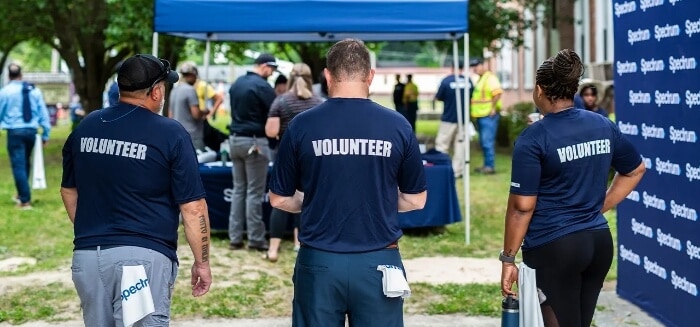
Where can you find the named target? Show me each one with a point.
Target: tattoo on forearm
(205, 252)
(203, 225)
(205, 239)
(509, 253)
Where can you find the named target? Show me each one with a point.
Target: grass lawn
(244, 286)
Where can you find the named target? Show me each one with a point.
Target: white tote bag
(38, 172)
(530, 311)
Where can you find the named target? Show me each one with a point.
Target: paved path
(612, 311)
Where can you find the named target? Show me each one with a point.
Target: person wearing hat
(184, 107)
(133, 171)
(205, 92)
(22, 112)
(447, 136)
(251, 97)
(485, 105)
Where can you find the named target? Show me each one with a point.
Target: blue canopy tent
(320, 21)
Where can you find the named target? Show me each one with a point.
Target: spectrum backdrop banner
(657, 86)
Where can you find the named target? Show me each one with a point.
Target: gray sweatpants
(249, 179)
(97, 277)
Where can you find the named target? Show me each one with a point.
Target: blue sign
(657, 84)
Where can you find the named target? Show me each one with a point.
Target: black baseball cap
(142, 71)
(266, 59)
(475, 62)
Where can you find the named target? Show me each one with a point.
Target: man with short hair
(128, 173)
(184, 107)
(448, 131)
(209, 99)
(485, 107)
(22, 112)
(358, 165)
(251, 97)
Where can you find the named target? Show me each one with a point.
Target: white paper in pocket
(137, 301)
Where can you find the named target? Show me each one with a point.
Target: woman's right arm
(272, 126)
(621, 186)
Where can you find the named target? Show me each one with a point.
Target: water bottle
(224, 156)
(223, 152)
(510, 316)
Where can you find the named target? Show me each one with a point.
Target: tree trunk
(5, 55)
(565, 23)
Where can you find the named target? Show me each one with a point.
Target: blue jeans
(328, 286)
(488, 126)
(20, 143)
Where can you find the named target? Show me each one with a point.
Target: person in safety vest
(485, 105)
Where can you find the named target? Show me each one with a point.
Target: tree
(36, 56)
(13, 33)
(92, 36)
(493, 20)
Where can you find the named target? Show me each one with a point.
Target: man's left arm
(44, 121)
(267, 95)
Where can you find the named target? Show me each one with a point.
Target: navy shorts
(329, 286)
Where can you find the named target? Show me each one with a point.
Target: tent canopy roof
(312, 20)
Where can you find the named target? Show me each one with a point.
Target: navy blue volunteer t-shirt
(446, 94)
(131, 174)
(350, 157)
(564, 160)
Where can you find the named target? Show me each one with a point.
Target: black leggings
(570, 272)
(279, 220)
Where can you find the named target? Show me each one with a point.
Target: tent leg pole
(154, 49)
(461, 136)
(207, 55)
(466, 143)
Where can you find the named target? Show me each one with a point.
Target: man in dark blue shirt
(349, 166)
(447, 136)
(251, 97)
(127, 175)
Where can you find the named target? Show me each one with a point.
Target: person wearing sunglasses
(134, 172)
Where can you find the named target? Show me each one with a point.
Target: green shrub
(517, 119)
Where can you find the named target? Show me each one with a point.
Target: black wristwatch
(504, 258)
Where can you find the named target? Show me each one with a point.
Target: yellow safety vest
(482, 98)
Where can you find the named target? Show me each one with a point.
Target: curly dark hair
(559, 76)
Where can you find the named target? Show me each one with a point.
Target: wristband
(504, 258)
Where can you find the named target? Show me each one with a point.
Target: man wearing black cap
(22, 111)
(251, 96)
(134, 171)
